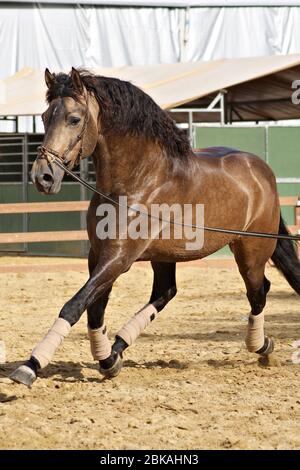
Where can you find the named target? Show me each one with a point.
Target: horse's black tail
(286, 259)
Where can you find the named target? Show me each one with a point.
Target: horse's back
(234, 162)
(237, 178)
(216, 151)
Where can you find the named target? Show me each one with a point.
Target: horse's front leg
(100, 282)
(110, 362)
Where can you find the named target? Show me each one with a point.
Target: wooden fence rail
(32, 207)
(80, 206)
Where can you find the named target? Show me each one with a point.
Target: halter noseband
(45, 152)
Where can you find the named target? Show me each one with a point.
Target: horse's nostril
(48, 178)
(45, 180)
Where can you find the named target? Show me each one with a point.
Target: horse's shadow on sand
(60, 371)
(70, 372)
(4, 398)
(283, 327)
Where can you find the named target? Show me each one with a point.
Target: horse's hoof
(23, 375)
(267, 348)
(114, 370)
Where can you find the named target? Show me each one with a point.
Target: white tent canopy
(257, 88)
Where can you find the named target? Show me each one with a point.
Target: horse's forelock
(61, 87)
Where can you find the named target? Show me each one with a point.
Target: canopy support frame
(217, 105)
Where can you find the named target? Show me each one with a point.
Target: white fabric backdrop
(59, 36)
(216, 33)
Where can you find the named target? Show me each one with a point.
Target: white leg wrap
(100, 345)
(137, 324)
(45, 350)
(255, 336)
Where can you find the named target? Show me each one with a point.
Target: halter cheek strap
(43, 151)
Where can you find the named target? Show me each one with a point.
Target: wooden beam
(79, 206)
(289, 200)
(72, 235)
(31, 207)
(44, 267)
(36, 237)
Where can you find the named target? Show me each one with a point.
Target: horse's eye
(74, 120)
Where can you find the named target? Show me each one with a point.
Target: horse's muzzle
(45, 178)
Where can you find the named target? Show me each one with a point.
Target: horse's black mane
(126, 109)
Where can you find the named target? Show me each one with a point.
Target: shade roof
(257, 88)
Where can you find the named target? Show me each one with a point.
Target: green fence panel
(55, 221)
(249, 139)
(288, 189)
(284, 151)
(284, 159)
(10, 223)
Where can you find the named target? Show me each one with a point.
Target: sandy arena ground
(188, 383)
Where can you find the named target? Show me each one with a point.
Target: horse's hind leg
(251, 257)
(163, 290)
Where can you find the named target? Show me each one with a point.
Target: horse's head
(71, 129)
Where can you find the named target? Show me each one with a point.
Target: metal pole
(267, 144)
(191, 136)
(25, 184)
(83, 197)
(222, 102)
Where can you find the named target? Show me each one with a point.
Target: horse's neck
(102, 165)
(124, 164)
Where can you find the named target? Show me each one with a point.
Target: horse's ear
(77, 81)
(49, 78)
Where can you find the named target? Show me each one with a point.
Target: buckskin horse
(139, 152)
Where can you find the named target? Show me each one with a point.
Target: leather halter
(44, 152)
